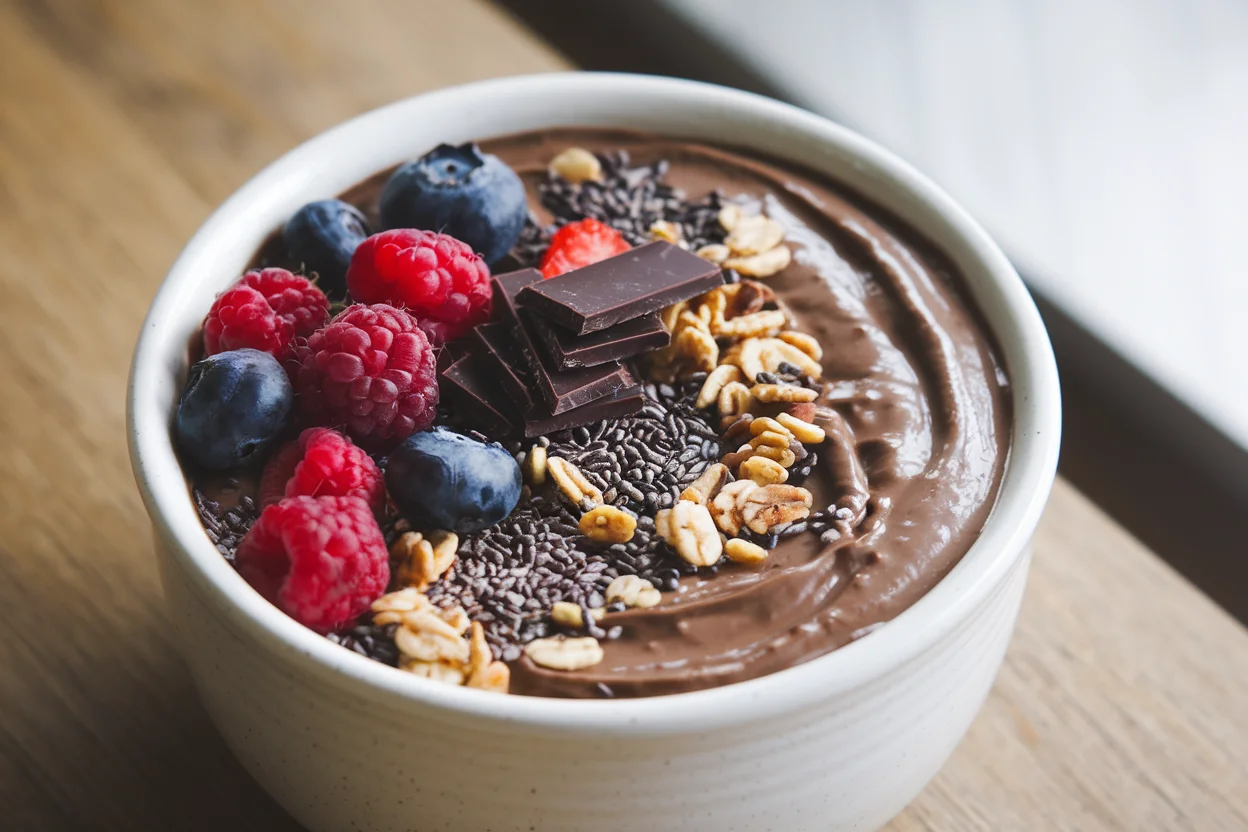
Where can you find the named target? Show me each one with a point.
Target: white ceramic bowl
(842, 742)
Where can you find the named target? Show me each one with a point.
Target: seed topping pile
(581, 522)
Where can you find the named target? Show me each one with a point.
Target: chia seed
(508, 576)
(225, 527)
(629, 199)
(369, 640)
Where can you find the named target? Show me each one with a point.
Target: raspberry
(370, 371)
(579, 244)
(266, 310)
(441, 281)
(321, 560)
(322, 463)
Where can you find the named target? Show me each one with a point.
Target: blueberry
(472, 196)
(323, 236)
(440, 479)
(235, 404)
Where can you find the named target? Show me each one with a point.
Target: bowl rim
(1018, 329)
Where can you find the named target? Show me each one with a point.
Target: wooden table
(1124, 699)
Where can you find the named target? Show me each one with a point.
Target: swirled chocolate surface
(918, 413)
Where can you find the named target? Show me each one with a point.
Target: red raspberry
(322, 463)
(321, 560)
(579, 244)
(371, 371)
(441, 281)
(266, 310)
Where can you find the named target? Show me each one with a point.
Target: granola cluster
(761, 378)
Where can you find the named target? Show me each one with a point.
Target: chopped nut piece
(414, 560)
(633, 592)
(734, 399)
(769, 393)
(421, 560)
(427, 637)
(744, 552)
(754, 235)
(806, 343)
(714, 252)
(777, 352)
(689, 529)
(711, 308)
(763, 471)
(707, 484)
(572, 481)
(445, 550)
(715, 382)
(802, 431)
(608, 524)
(576, 164)
(784, 456)
(725, 508)
(456, 617)
(664, 230)
(671, 314)
(571, 615)
(479, 653)
(772, 505)
(690, 319)
(494, 677)
(733, 460)
(738, 429)
(750, 296)
(404, 600)
(802, 411)
(766, 423)
(560, 653)
(448, 674)
(567, 614)
(729, 216)
(535, 466)
(770, 437)
(748, 355)
(697, 345)
(753, 325)
(761, 265)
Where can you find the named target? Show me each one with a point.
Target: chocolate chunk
(502, 356)
(611, 407)
(470, 386)
(639, 281)
(448, 354)
(624, 340)
(562, 390)
(568, 389)
(506, 287)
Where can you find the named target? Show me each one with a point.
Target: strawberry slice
(579, 244)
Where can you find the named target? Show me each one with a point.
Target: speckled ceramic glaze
(842, 742)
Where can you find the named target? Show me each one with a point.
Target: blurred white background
(1103, 142)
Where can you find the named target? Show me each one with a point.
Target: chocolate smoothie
(913, 402)
(915, 452)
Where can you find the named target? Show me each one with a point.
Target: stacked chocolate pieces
(556, 355)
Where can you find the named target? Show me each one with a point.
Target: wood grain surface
(1122, 701)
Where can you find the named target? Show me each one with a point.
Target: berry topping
(440, 479)
(472, 196)
(322, 463)
(266, 310)
(322, 236)
(580, 244)
(440, 280)
(321, 560)
(371, 371)
(235, 403)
